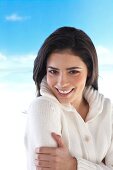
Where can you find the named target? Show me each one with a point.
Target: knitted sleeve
(43, 118)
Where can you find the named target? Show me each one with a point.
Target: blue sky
(25, 24)
(36, 19)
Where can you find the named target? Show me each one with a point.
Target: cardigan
(89, 141)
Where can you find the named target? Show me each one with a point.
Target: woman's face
(66, 76)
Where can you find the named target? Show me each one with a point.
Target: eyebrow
(70, 68)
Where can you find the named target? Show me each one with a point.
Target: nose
(62, 81)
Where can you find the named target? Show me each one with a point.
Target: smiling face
(66, 77)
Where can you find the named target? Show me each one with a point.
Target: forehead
(65, 59)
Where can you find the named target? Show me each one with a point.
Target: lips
(64, 92)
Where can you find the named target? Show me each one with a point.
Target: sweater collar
(96, 102)
(45, 90)
(93, 97)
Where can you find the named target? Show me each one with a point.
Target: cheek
(81, 79)
(50, 80)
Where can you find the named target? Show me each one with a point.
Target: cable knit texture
(89, 141)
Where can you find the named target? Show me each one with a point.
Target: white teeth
(64, 92)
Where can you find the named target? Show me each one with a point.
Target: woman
(70, 124)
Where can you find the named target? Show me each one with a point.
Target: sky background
(24, 25)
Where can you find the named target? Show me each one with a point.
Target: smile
(64, 92)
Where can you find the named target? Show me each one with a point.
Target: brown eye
(53, 71)
(74, 72)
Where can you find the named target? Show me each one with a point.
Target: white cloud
(12, 62)
(105, 55)
(16, 68)
(15, 17)
(24, 59)
(2, 57)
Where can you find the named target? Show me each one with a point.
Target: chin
(63, 101)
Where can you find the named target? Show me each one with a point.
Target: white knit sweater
(90, 141)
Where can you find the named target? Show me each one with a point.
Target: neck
(82, 107)
(77, 104)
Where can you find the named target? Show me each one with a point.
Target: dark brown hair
(78, 42)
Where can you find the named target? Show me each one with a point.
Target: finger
(46, 150)
(43, 164)
(43, 157)
(39, 168)
(58, 139)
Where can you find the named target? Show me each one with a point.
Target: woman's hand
(49, 158)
